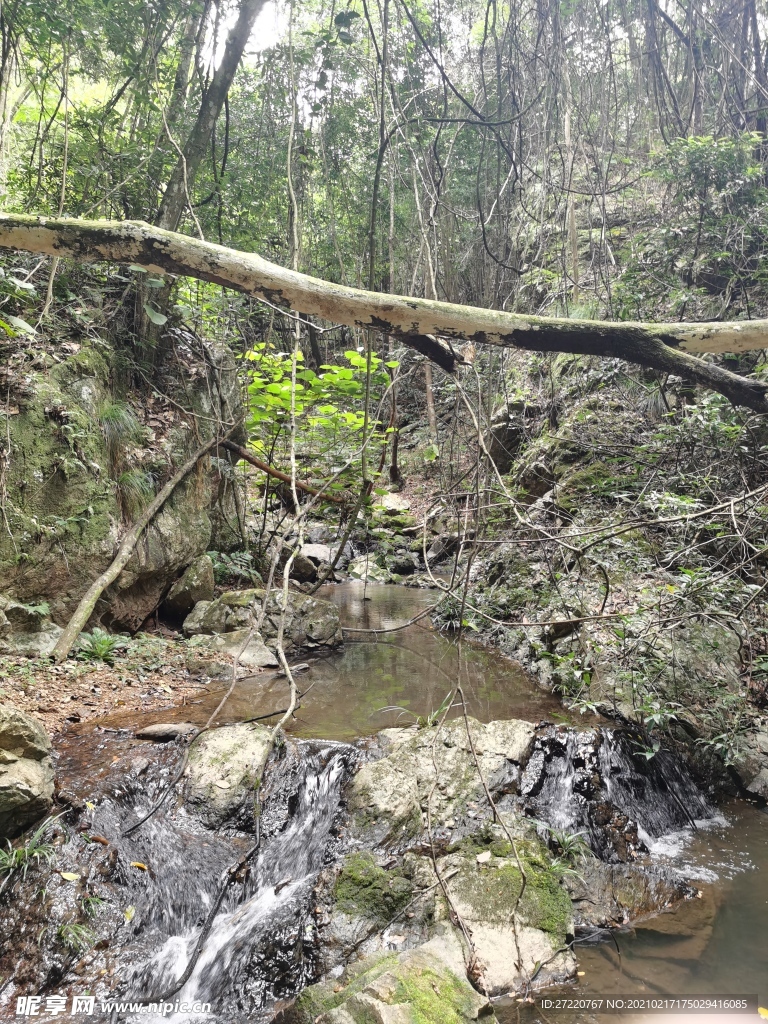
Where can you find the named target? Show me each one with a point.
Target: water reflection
(409, 671)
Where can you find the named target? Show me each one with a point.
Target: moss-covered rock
(364, 889)
(423, 986)
(66, 504)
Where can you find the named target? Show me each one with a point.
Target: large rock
(224, 772)
(309, 621)
(390, 795)
(365, 567)
(419, 985)
(515, 936)
(197, 584)
(66, 509)
(26, 771)
(26, 629)
(214, 655)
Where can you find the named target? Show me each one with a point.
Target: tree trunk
(196, 147)
(420, 323)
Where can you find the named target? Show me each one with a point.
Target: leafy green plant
(98, 645)
(571, 847)
(234, 567)
(90, 905)
(119, 426)
(20, 858)
(75, 937)
(135, 487)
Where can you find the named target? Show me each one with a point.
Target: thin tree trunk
(84, 610)
(175, 197)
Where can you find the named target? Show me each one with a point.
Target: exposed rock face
(426, 796)
(309, 621)
(224, 771)
(197, 584)
(392, 793)
(26, 771)
(65, 515)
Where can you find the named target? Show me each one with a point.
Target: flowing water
(263, 946)
(716, 944)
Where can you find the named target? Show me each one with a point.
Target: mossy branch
(426, 325)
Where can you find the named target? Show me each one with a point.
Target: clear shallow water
(714, 945)
(411, 670)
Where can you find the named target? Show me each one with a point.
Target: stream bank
(344, 843)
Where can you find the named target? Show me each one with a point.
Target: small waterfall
(261, 950)
(599, 782)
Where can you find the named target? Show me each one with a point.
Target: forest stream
(711, 943)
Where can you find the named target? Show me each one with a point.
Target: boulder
(197, 584)
(309, 622)
(303, 569)
(365, 568)
(26, 629)
(35, 645)
(214, 655)
(425, 984)
(317, 553)
(26, 771)
(224, 771)
(389, 795)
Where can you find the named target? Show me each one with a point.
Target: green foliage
(98, 645)
(135, 488)
(235, 567)
(35, 849)
(119, 426)
(76, 938)
(328, 406)
(706, 251)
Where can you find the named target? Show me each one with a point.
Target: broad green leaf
(154, 316)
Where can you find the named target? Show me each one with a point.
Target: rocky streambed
(418, 872)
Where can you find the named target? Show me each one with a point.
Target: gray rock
(22, 735)
(390, 793)
(37, 645)
(197, 584)
(23, 618)
(365, 568)
(303, 569)
(164, 731)
(205, 654)
(308, 621)
(26, 771)
(317, 553)
(224, 771)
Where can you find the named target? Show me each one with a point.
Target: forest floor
(148, 675)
